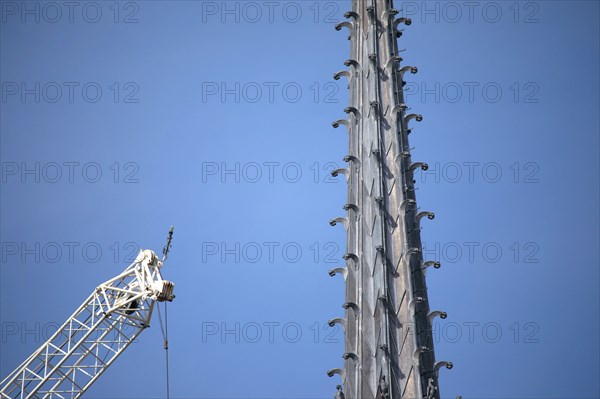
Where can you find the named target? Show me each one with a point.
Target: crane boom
(107, 322)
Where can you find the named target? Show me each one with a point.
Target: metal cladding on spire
(388, 336)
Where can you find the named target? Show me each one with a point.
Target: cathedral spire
(388, 336)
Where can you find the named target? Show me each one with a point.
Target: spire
(388, 350)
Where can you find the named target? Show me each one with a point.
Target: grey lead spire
(388, 339)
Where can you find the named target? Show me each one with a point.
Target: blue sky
(118, 121)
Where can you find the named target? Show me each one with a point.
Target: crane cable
(165, 333)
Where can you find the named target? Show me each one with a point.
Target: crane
(89, 341)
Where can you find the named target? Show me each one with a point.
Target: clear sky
(121, 119)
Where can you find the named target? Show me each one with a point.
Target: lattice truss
(94, 336)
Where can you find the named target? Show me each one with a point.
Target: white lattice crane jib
(107, 322)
